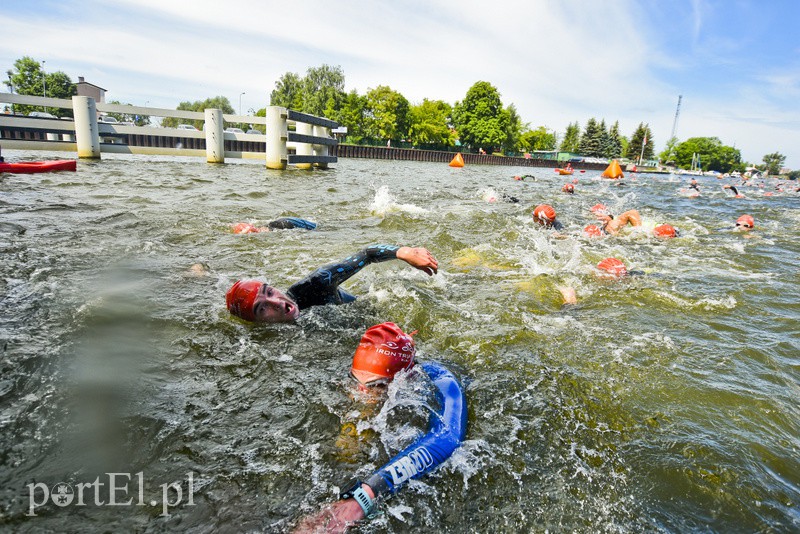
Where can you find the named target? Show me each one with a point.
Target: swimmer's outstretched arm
(419, 258)
(334, 518)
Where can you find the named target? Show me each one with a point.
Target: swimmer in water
(745, 223)
(736, 193)
(693, 185)
(255, 301)
(610, 268)
(665, 231)
(569, 189)
(384, 351)
(545, 215)
(612, 225)
(284, 223)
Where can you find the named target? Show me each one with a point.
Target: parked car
(234, 130)
(187, 127)
(42, 115)
(254, 131)
(107, 119)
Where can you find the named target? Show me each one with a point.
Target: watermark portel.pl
(63, 494)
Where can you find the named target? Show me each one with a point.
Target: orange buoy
(613, 171)
(457, 161)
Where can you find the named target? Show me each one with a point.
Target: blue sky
(736, 62)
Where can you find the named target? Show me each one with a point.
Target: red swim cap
(592, 230)
(568, 188)
(240, 298)
(384, 350)
(544, 214)
(613, 266)
(599, 208)
(665, 230)
(746, 220)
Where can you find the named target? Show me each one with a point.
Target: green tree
(429, 124)
(288, 92)
(353, 115)
(572, 138)
(480, 118)
(323, 90)
(668, 155)
(614, 149)
(591, 140)
(774, 162)
(217, 102)
(28, 78)
(637, 140)
(538, 139)
(387, 113)
(713, 154)
(514, 130)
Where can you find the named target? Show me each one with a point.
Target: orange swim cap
(544, 214)
(592, 230)
(746, 221)
(240, 298)
(384, 350)
(602, 209)
(568, 188)
(665, 230)
(613, 266)
(244, 228)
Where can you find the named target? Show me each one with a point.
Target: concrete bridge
(290, 138)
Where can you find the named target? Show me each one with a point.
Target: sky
(735, 62)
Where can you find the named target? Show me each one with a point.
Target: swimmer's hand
(334, 518)
(603, 217)
(419, 258)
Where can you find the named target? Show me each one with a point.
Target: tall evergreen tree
(614, 142)
(641, 136)
(591, 139)
(572, 137)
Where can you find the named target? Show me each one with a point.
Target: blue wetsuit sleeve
(322, 286)
(287, 223)
(447, 430)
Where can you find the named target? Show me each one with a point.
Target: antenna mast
(675, 122)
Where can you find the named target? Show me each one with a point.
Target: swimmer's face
(272, 306)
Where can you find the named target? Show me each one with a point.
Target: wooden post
(215, 137)
(87, 135)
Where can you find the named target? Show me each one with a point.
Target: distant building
(91, 90)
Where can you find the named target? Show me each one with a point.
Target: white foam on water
(384, 203)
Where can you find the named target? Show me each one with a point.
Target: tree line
(480, 121)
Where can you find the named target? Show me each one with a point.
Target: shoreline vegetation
(479, 123)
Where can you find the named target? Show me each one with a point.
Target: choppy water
(665, 402)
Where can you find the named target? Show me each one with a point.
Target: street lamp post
(240, 102)
(44, 83)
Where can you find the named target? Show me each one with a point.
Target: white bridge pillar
(215, 137)
(277, 135)
(321, 150)
(87, 135)
(304, 149)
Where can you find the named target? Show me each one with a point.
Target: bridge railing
(291, 138)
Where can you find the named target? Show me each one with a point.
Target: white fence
(290, 138)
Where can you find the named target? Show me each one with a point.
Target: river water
(667, 401)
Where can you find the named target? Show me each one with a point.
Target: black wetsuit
(694, 186)
(322, 286)
(287, 223)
